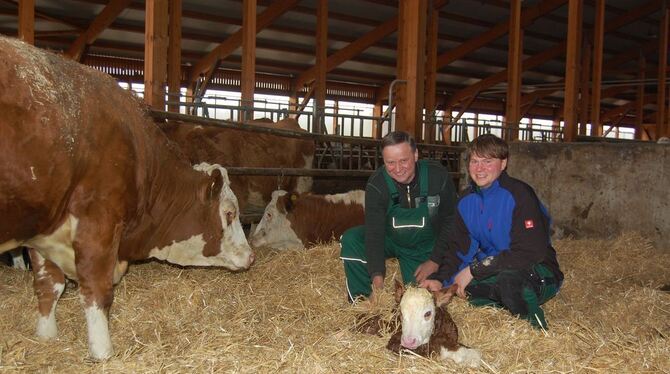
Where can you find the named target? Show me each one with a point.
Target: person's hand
(462, 279)
(431, 285)
(377, 283)
(424, 270)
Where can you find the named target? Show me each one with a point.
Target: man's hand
(377, 283)
(431, 285)
(462, 279)
(424, 270)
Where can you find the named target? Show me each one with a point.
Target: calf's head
(418, 309)
(274, 230)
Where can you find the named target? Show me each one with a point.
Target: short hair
(398, 137)
(488, 146)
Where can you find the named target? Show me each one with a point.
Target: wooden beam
(351, 50)
(321, 61)
(584, 94)
(597, 75)
(27, 21)
(571, 70)
(527, 17)
(431, 72)
(639, 109)
(233, 42)
(155, 53)
(304, 102)
(356, 47)
(661, 120)
(248, 77)
(99, 24)
(174, 54)
(514, 57)
(411, 57)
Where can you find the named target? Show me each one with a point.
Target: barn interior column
(661, 120)
(174, 54)
(321, 68)
(431, 73)
(27, 21)
(248, 77)
(597, 75)
(411, 56)
(585, 78)
(514, 57)
(377, 125)
(155, 53)
(639, 108)
(572, 70)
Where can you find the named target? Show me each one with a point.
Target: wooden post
(248, 76)
(661, 120)
(377, 125)
(639, 111)
(321, 68)
(174, 55)
(411, 58)
(514, 58)
(155, 53)
(431, 73)
(597, 75)
(585, 77)
(572, 70)
(27, 21)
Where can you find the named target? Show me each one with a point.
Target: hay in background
(289, 314)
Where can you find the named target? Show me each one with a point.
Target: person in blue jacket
(499, 252)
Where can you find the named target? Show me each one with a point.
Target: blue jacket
(507, 222)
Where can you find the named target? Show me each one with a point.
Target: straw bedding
(289, 314)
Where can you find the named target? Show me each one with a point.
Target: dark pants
(519, 291)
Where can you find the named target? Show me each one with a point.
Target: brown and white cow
(239, 148)
(297, 220)
(90, 182)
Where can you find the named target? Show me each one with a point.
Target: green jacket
(377, 201)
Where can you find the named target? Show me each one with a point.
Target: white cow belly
(9, 245)
(57, 247)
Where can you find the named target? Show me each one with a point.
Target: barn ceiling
(286, 47)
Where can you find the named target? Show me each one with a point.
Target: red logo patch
(529, 223)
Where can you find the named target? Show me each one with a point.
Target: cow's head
(274, 230)
(418, 308)
(214, 216)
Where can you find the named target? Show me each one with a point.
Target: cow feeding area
(289, 314)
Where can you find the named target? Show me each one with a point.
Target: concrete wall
(598, 190)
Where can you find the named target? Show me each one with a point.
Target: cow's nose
(252, 257)
(409, 343)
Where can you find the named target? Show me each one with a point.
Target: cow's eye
(428, 314)
(229, 217)
(268, 216)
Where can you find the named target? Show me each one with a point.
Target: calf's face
(418, 309)
(274, 230)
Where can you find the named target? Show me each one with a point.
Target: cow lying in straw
(426, 327)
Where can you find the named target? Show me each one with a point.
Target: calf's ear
(287, 202)
(444, 295)
(215, 184)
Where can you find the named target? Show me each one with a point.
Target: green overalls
(409, 237)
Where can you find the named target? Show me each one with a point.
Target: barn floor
(288, 314)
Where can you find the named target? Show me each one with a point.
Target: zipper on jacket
(409, 198)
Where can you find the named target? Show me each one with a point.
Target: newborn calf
(427, 327)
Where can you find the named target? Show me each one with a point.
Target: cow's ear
(399, 290)
(444, 295)
(215, 185)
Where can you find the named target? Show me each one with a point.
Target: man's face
(485, 170)
(400, 162)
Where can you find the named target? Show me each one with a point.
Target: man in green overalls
(409, 208)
